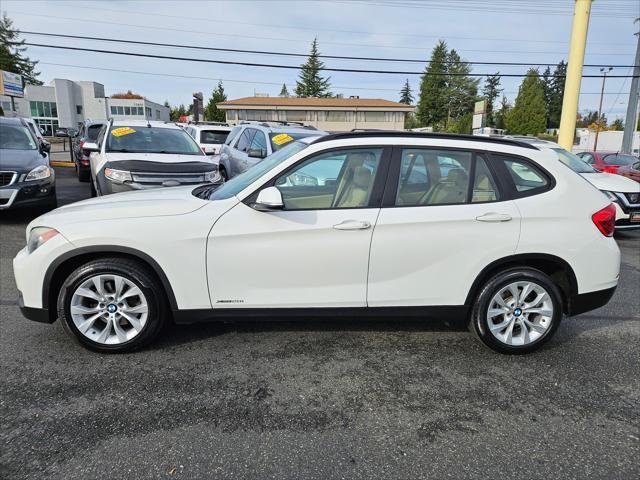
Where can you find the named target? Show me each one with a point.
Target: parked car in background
(623, 192)
(26, 178)
(608, 162)
(631, 171)
(137, 155)
(250, 142)
(510, 253)
(210, 136)
(88, 133)
(62, 132)
(35, 129)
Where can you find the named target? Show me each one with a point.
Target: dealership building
(329, 114)
(67, 103)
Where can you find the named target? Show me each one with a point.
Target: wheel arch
(555, 267)
(62, 266)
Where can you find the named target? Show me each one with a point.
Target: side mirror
(257, 153)
(90, 147)
(269, 199)
(46, 146)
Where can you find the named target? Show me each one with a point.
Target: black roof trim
(443, 136)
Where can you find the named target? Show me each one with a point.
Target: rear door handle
(352, 225)
(494, 217)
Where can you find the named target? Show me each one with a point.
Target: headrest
(361, 177)
(457, 176)
(358, 158)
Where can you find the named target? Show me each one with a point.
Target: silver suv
(250, 142)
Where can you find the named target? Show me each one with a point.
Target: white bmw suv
(495, 231)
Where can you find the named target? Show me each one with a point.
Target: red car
(631, 171)
(609, 162)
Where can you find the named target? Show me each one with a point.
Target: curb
(55, 163)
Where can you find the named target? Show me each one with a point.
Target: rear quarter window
(522, 176)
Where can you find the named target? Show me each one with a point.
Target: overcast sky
(499, 30)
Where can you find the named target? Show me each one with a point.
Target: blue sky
(500, 30)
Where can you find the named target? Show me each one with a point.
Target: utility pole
(581, 12)
(632, 106)
(599, 118)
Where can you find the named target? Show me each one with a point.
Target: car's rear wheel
(517, 311)
(112, 305)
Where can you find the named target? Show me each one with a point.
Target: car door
(438, 227)
(239, 157)
(315, 251)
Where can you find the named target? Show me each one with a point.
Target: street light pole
(598, 120)
(632, 106)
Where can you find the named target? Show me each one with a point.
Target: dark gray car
(250, 142)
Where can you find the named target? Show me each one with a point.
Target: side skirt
(441, 312)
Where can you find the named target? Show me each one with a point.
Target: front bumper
(24, 194)
(627, 214)
(36, 314)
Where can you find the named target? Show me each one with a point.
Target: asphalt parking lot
(320, 399)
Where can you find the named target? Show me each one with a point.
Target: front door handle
(494, 217)
(352, 225)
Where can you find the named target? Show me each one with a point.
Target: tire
(93, 188)
(111, 331)
(223, 173)
(84, 175)
(517, 330)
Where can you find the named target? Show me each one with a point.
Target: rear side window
(232, 134)
(93, 131)
(619, 159)
(525, 177)
(244, 142)
(484, 185)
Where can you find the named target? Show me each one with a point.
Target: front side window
(244, 142)
(433, 177)
(339, 179)
(16, 137)
(151, 140)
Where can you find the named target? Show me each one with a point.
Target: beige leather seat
(453, 189)
(356, 193)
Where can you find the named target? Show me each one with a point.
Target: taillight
(605, 220)
(82, 145)
(611, 169)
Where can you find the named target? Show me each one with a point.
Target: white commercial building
(329, 114)
(67, 103)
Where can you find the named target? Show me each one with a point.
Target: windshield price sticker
(282, 138)
(118, 132)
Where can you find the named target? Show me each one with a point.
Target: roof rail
(203, 122)
(273, 123)
(443, 136)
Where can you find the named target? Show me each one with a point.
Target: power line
(182, 31)
(289, 54)
(278, 84)
(294, 67)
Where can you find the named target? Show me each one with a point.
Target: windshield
(151, 140)
(242, 181)
(573, 161)
(16, 137)
(213, 136)
(619, 159)
(280, 140)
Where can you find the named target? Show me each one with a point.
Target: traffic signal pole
(579, 29)
(632, 106)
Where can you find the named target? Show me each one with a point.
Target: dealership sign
(11, 84)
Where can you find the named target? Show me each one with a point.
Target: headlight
(610, 195)
(38, 173)
(211, 176)
(117, 176)
(38, 236)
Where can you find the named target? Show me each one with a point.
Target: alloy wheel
(109, 309)
(520, 313)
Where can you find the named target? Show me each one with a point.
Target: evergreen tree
(556, 95)
(433, 102)
(617, 124)
(167, 104)
(12, 50)
(283, 91)
(406, 96)
(502, 114)
(462, 90)
(491, 90)
(528, 113)
(547, 86)
(211, 112)
(311, 84)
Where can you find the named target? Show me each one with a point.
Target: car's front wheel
(517, 311)
(112, 305)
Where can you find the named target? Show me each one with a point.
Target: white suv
(210, 136)
(495, 231)
(138, 155)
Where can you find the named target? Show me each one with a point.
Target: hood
(611, 182)
(157, 157)
(140, 203)
(21, 160)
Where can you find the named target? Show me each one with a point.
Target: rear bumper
(586, 302)
(36, 314)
